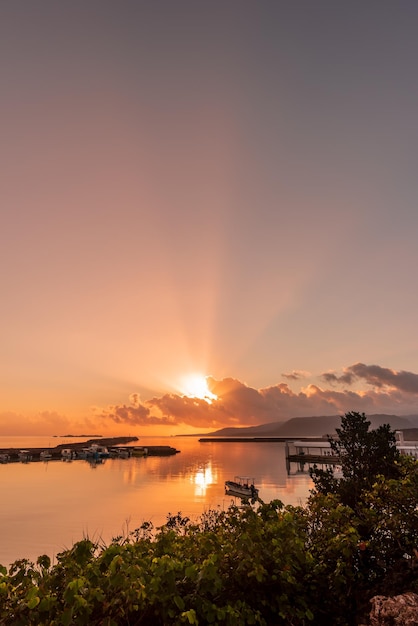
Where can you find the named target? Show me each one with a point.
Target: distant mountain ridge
(313, 426)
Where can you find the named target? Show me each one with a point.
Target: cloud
(295, 375)
(135, 414)
(376, 376)
(237, 404)
(42, 422)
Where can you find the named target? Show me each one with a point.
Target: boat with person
(241, 486)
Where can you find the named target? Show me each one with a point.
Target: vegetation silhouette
(364, 454)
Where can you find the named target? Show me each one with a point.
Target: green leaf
(67, 617)
(179, 602)
(191, 616)
(309, 615)
(33, 602)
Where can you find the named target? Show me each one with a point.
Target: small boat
(120, 453)
(4, 458)
(81, 454)
(96, 451)
(67, 454)
(241, 486)
(45, 455)
(24, 456)
(139, 451)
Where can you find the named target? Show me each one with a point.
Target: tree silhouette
(364, 455)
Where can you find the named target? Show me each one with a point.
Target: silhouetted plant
(364, 454)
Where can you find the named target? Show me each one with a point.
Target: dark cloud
(376, 376)
(330, 377)
(135, 414)
(383, 376)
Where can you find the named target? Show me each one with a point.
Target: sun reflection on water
(202, 478)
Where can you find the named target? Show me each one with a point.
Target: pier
(306, 453)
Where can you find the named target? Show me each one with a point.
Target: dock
(307, 453)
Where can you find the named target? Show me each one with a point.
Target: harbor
(71, 499)
(93, 449)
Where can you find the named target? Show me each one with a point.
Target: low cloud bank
(359, 387)
(237, 404)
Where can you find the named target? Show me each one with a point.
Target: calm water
(47, 506)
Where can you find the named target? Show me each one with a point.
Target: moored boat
(45, 455)
(241, 486)
(96, 451)
(120, 453)
(24, 456)
(68, 454)
(139, 451)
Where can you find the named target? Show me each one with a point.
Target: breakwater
(113, 444)
(256, 439)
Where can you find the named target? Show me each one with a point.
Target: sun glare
(196, 386)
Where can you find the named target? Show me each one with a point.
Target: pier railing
(304, 454)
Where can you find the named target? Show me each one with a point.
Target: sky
(219, 191)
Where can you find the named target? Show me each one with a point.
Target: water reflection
(48, 506)
(203, 478)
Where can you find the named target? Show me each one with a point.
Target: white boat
(24, 456)
(45, 455)
(241, 486)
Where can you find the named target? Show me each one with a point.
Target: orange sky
(223, 189)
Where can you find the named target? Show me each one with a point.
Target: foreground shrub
(234, 567)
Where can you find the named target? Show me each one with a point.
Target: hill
(313, 426)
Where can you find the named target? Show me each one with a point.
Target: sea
(47, 506)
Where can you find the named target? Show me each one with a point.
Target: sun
(196, 386)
